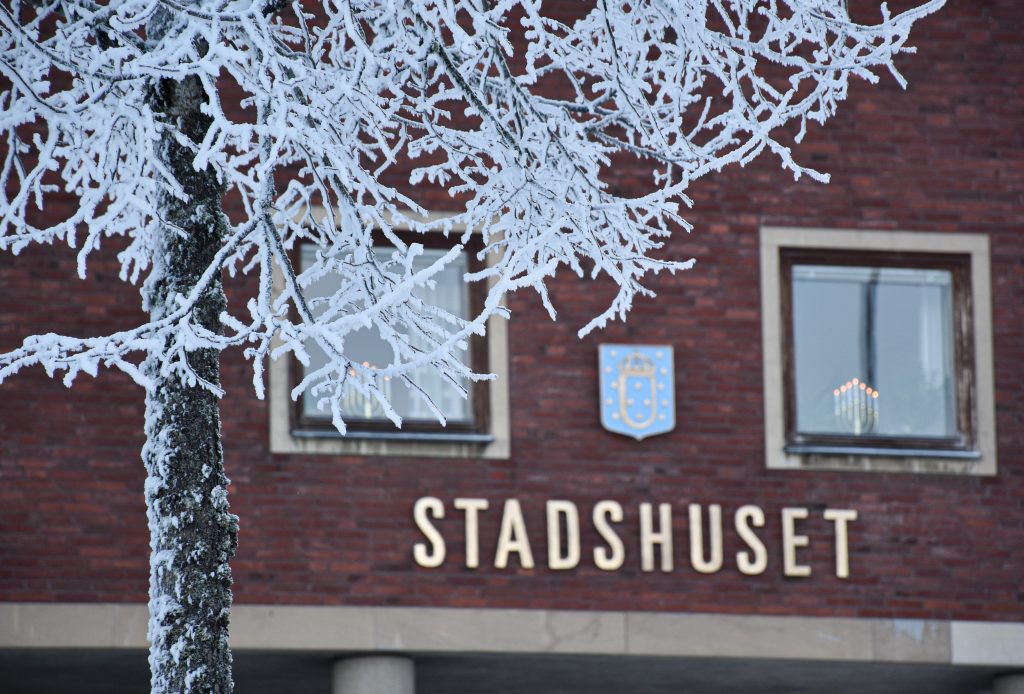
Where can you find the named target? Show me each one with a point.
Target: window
(877, 349)
(476, 426)
(366, 346)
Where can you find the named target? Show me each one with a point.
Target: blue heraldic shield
(637, 389)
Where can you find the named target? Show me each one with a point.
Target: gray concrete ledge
(454, 630)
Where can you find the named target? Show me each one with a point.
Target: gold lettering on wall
(650, 542)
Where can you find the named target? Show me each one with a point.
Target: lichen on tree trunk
(192, 533)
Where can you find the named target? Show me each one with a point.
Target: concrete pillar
(1009, 684)
(375, 674)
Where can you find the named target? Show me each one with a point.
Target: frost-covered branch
(520, 109)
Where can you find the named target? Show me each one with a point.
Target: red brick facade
(947, 155)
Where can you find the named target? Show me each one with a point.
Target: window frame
(967, 257)
(478, 425)
(488, 436)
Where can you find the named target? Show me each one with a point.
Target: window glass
(449, 292)
(873, 351)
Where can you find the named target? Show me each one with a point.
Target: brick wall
(946, 155)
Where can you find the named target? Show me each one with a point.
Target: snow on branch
(520, 109)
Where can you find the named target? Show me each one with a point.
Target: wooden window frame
(975, 451)
(411, 428)
(958, 265)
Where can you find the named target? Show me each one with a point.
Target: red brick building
(909, 263)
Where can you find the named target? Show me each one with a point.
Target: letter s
(433, 557)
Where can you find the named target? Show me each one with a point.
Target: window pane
(366, 346)
(873, 351)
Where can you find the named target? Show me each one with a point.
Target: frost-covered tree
(205, 133)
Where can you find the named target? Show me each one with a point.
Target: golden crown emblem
(637, 364)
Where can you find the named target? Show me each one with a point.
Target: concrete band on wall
(462, 630)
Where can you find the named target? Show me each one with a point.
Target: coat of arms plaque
(637, 387)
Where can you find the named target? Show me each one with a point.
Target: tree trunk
(192, 533)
